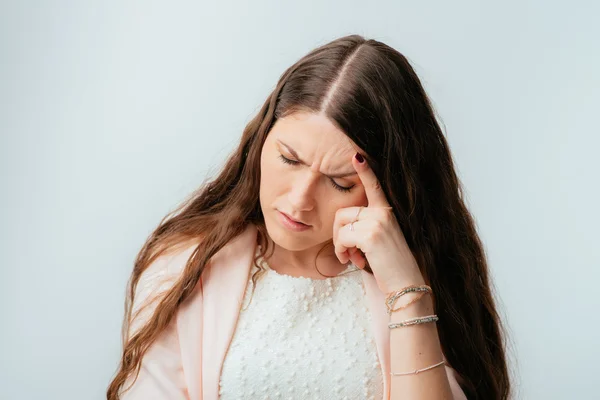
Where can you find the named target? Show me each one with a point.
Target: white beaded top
(303, 338)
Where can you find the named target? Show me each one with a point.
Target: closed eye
(335, 185)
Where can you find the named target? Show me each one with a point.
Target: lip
(292, 224)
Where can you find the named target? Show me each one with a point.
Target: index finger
(373, 190)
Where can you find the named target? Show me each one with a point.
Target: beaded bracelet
(393, 296)
(417, 370)
(414, 321)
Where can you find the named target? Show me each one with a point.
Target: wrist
(422, 307)
(400, 284)
(412, 277)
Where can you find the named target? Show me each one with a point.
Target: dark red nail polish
(359, 157)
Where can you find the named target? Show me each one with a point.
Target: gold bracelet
(417, 370)
(393, 296)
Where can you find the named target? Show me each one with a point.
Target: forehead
(313, 132)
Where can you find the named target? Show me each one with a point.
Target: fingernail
(359, 157)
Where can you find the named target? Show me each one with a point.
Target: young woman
(333, 256)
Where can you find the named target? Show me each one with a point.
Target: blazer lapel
(189, 329)
(381, 331)
(224, 284)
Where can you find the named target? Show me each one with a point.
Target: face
(307, 173)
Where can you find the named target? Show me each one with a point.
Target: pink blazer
(186, 361)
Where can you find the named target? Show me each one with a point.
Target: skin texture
(306, 192)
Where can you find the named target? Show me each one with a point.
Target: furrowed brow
(338, 175)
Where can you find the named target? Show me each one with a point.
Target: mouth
(293, 223)
(295, 220)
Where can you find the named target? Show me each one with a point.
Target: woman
(332, 257)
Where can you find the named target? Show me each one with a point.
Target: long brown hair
(373, 94)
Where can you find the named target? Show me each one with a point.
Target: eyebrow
(293, 152)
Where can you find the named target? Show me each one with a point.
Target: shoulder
(155, 281)
(169, 264)
(165, 270)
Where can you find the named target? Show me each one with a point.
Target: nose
(302, 192)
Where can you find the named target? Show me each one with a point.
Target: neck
(302, 262)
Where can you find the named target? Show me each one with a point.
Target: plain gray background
(113, 111)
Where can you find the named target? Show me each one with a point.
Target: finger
(341, 251)
(344, 216)
(373, 190)
(349, 255)
(357, 258)
(347, 240)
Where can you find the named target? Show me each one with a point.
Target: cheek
(265, 181)
(345, 201)
(273, 179)
(331, 208)
(271, 173)
(360, 198)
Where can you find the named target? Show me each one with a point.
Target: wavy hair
(372, 93)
